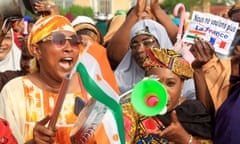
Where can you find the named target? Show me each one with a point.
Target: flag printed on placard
(193, 34)
(222, 44)
(212, 40)
(219, 31)
(218, 42)
(99, 81)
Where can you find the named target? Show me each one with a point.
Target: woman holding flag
(56, 47)
(36, 93)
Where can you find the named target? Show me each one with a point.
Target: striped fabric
(99, 81)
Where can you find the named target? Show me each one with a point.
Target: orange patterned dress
(40, 103)
(30, 104)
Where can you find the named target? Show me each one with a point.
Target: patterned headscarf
(45, 26)
(169, 59)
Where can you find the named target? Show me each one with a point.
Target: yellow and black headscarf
(170, 59)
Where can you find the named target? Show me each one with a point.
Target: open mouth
(66, 63)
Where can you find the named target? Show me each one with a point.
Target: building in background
(103, 9)
(64, 3)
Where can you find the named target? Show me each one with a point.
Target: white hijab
(128, 73)
(12, 59)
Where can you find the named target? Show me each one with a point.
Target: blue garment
(227, 127)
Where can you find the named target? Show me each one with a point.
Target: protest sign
(217, 30)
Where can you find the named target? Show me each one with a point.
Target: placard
(219, 31)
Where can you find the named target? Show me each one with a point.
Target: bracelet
(190, 139)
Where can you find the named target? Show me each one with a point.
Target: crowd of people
(203, 96)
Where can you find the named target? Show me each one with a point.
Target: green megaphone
(149, 97)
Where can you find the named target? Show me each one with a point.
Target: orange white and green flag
(99, 81)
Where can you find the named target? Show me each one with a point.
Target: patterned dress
(41, 103)
(30, 104)
(191, 114)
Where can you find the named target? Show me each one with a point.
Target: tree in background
(78, 10)
(223, 2)
(169, 5)
(75, 10)
(62, 11)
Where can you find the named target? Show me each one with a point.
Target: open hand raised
(203, 51)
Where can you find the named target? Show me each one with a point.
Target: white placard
(217, 30)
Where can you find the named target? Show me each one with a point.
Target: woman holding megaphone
(184, 121)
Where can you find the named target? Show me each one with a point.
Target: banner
(219, 31)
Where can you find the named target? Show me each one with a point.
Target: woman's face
(6, 45)
(172, 82)
(57, 60)
(138, 45)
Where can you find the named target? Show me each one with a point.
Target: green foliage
(62, 11)
(78, 10)
(170, 4)
(223, 2)
(75, 10)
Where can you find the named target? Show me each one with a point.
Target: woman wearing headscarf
(119, 44)
(56, 47)
(6, 135)
(185, 122)
(130, 71)
(86, 28)
(10, 54)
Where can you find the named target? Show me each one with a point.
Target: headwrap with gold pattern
(170, 59)
(45, 26)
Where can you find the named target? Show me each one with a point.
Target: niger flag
(99, 81)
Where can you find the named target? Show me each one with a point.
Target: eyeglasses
(59, 39)
(146, 43)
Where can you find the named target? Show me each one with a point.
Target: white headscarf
(82, 19)
(12, 59)
(128, 73)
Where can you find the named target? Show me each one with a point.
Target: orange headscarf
(45, 26)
